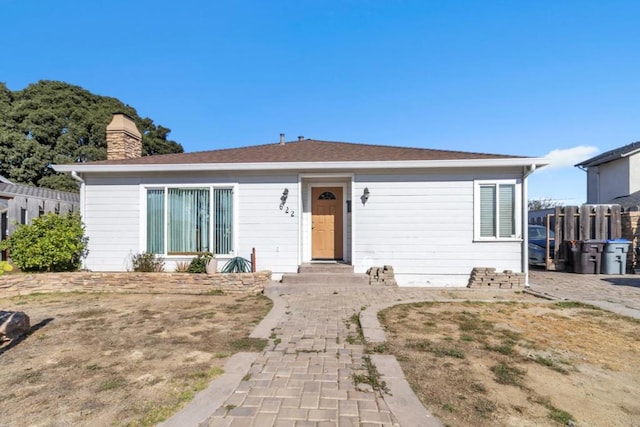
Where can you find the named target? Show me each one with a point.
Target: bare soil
(519, 364)
(119, 359)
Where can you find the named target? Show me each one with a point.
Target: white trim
(353, 221)
(516, 205)
(309, 190)
(280, 166)
(300, 221)
(210, 186)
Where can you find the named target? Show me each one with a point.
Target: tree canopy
(53, 122)
(544, 203)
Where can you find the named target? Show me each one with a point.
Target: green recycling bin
(614, 256)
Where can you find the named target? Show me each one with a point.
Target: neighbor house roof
(302, 152)
(14, 190)
(611, 155)
(631, 201)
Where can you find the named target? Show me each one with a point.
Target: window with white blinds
(496, 215)
(189, 220)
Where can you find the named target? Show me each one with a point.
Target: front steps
(325, 273)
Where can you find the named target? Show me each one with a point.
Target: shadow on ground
(624, 281)
(19, 339)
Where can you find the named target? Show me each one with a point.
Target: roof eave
(269, 166)
(607, 157)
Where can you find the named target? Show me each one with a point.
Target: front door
(326, 223)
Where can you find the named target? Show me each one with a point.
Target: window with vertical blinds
(223, 219)
(506, 210)
(488, 215)
(497, 211)
(189, 220)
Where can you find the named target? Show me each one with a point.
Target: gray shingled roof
(630, 201)
(13, 190)
(306, 150)
(610, 155)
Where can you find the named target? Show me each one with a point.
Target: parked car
(538, 244)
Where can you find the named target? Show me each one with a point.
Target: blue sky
(510, 77)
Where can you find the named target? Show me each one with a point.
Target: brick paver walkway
(306, 380)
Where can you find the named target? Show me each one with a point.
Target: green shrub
(147, 263)
(199, 263)
(51, 243)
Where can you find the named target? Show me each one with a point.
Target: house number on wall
(288, 211)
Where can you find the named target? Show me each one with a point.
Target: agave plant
(237, 265)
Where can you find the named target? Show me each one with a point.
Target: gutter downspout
(78, 178)
(525, 222)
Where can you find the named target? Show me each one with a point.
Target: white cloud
(568, 157)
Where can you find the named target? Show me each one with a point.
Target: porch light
(365, 195)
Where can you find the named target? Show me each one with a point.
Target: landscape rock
(13, 324)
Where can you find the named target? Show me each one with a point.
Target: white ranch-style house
(433, 215)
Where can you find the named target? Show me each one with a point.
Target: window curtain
(188, 219)
(487, 211)
(223, 219)
(506, 209)
(155, 221)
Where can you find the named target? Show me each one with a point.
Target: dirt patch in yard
(519, 364)
(114, 359)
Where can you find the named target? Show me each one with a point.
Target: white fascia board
(301, 166)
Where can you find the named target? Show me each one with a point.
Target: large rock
(13, 324)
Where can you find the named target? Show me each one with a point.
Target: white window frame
(211, 187)
(517, 210)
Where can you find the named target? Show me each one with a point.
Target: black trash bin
(590, 256)
(614, 257)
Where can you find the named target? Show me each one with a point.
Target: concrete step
(331, 279)
(322, 267)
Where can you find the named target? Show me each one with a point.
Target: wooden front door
(326, 223)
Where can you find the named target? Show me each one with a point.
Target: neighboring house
(433, 215)
(614, 177)
(19, 204)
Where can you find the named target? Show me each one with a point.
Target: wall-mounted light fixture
(283, 198)
(365, 195)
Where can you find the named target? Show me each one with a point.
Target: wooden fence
(586, 222)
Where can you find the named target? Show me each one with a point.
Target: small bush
(147, 263)
(5, 267)
(51, 243)
(199, 263)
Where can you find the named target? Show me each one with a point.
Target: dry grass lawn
(519, 364)
(119, 359)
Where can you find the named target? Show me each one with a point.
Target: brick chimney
(124, 140)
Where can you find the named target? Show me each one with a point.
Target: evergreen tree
(53, 122)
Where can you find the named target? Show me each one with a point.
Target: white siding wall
(614, 179)
(111, 213)
(634, 173)
(115, 221)
(422, 225)
(262, 225)
(592, 185)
